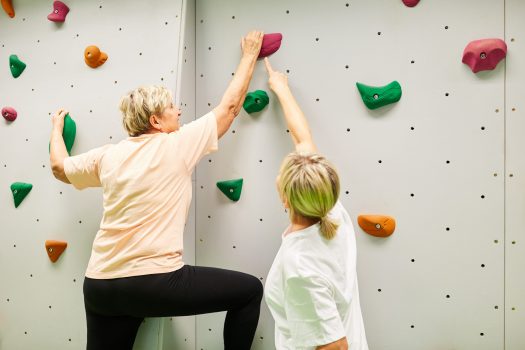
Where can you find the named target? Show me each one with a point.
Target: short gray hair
(140, 104)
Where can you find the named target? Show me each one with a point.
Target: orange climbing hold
(55, 249)
(377, 225)
(94, 57)
(8, 8)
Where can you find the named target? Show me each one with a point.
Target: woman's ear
(155, 122)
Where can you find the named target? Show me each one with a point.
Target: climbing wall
(515, 173)
(41, 303)
(445, 161)
(435, 160)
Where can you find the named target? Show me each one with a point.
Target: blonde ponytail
(328, 227)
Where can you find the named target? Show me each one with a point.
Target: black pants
(115, 308)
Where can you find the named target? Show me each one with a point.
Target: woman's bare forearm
(340, 344)
(234, 95)
(296, 120)
(57, 154)
(233, 98)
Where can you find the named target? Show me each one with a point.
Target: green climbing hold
(20, 191)
(231, 188)
(68, 133)
(256, 101)
(375, 97)
(17, 66)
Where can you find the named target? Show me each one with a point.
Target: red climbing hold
(55, 249)
(270, 44)
(60, 11)
(9, 113)
(484, 54)
(410, 3)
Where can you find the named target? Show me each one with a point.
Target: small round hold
(376, 96)
(9, 113)
(378, 226)
(257, 101)
(231, 190)
(483, 55)
(15, 191)
(56, 11)
(50, 250)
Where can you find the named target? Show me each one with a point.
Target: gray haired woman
(136, 268)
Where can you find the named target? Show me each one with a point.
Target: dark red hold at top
(271, 43)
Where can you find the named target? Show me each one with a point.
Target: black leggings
(115, 308)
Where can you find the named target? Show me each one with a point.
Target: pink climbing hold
(484, 54)
(60, 11)
(410, 3)
(9, 113)
(270, 44)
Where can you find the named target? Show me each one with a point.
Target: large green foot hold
(68, 133)
(231, 188)
(379, 96)
(256, 101)
(17, 66)
(20, 190)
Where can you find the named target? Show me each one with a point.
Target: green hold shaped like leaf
(231, 188)
(17, 66)
(256, 101)
(20, 190)
(379, 96)
(68, 133)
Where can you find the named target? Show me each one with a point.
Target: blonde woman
(311, 288)
(136, 268)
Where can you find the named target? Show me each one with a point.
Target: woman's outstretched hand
(251, 43)
(277, 81)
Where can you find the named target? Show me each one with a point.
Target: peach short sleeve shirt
(147, 188)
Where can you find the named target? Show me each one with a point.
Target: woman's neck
(300, 223)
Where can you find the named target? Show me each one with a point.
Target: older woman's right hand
(58, 119)
(278, 81)
(251, 43)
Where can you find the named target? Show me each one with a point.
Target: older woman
(311, 288)
(136, 268)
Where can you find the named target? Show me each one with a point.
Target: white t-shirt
(312, 290)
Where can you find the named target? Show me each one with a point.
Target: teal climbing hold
(17, 66)
(379, 96)
(68, 133)
(256, 101)
(231, 188)
(20, 190)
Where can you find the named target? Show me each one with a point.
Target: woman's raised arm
(297, 123)
(233, 97)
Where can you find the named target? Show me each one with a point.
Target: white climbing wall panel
(446, 160)
(434, 161)
(41, 304)
(515, 172)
